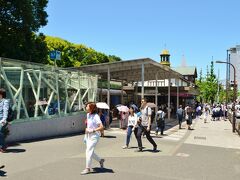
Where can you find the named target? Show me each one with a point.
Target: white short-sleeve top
(93, 121)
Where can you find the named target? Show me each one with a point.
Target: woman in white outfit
(132, 122)
(206, 113)
(94, 126)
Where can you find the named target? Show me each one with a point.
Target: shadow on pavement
(109, 137)
(102, 170)
(157, 137)
(150, 150)
(15, 150)
(134, 147)
(2, 173)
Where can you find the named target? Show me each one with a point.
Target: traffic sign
(55, 55)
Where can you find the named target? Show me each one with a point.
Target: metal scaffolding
(40, 91)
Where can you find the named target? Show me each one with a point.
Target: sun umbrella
(123, 108)
(151, 105)
(102, 105)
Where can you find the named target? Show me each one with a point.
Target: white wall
(31, 130)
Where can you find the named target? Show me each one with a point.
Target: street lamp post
(234, 93)
(227, 75)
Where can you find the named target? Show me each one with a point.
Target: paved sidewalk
(214, 133)
(209, 152)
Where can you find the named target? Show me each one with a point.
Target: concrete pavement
(183, 154)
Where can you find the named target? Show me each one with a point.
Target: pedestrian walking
(180, 114)
(124, 119)
(224, 109)
(103, 120)
(188, 116)
(4, 107)
(160, 121)
(198, 111)
(206, 113)
(92, 134)
(132, 122)
(144, 124)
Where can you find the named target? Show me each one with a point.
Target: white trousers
(91, 143)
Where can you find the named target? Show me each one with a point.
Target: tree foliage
(19, 38)
(75, 55)
(19, 23)
(208, 86)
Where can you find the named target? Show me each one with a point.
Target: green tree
(207, 86)
(75, 55)
(211, 85)
(19, 21)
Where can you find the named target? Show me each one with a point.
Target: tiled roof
(188, 70)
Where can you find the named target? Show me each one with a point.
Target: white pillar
(142, 95)
(108, 93)
(177, 93)
(108, 96)
(169, 97)
(122, 92)
(156, 92)
(136, 93)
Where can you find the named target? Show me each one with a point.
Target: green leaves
(75, 55)
(19, 25)
(19, 20)
(208, 86)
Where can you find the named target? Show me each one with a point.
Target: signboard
(55, 55)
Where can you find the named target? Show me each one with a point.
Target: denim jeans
(180, 118)
(2, 138)
(160, 126)
(129, 133)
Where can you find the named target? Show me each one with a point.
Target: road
(210, 151)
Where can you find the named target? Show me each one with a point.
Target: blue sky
(130, 29)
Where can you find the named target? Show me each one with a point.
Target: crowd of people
(139, 122)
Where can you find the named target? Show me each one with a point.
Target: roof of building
(131, 70)
(186, 70)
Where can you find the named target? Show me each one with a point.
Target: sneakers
(155, 148)
(85, 171)
(139, 150)
(125, 147)
(101, 163)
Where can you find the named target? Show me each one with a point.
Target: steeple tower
(183, 63)
(165, 58)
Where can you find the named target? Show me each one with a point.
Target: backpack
(160, 116)
(180, 112)
(11, 114)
